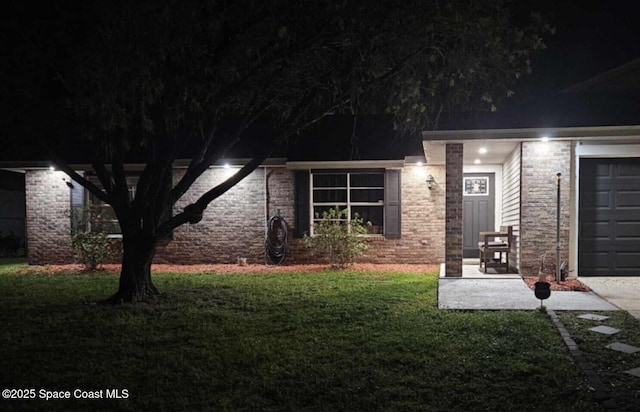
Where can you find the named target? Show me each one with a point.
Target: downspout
(267, 197)
(558, 269)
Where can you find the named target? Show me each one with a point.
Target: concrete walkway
(495, 292)
(624, 292)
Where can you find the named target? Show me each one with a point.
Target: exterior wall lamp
(430, 182)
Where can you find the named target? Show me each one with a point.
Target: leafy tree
(151, 81)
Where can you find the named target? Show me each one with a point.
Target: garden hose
(276, 241)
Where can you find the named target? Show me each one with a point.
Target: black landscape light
(542, 290)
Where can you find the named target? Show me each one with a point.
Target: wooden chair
(492, 243)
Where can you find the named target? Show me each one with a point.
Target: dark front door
(609, 217)
(479, 201)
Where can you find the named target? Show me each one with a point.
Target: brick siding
(453, 213)
(422, 224)
(540, 163)
(48, 203)
(234, 224)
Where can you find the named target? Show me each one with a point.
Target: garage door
(609, 216)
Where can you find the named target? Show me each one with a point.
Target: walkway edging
(600, 392)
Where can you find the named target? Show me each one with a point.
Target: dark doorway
(479, 203)
(609, 217)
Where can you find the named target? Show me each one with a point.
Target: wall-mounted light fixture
(68, 182)
(430, 182)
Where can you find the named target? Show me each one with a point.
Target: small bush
(337, 239)
(90, 240)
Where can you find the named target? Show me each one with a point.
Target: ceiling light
(545, 138)
(419, 164)
(482, 150)
(226, 165)
(477, 161)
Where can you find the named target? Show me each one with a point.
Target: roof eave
(556, 133)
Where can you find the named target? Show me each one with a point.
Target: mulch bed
(234, 268)
(566, 285)
(569, 284)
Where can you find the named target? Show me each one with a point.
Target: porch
(515, 177)
(471, 270)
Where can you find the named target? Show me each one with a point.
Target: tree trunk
(138, 251)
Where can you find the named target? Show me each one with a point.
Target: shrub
(338, 239)
(90, 240)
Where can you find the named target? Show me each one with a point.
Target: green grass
(9, 265)
(327, 341)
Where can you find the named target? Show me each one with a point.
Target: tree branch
(63, 166)
(119, 176)
(102, 172)
(193, 212)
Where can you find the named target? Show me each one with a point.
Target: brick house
(392, 194)
(500, 171)
(422, 209)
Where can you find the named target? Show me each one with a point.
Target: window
(383, 196)
(109, 220)
(83, 201)
(360, 192)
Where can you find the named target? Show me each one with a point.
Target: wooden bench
(492, 243)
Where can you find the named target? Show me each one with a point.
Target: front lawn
(323, 341)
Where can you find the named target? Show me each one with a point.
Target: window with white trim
(360, 192)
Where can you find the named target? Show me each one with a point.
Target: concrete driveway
(624, 292)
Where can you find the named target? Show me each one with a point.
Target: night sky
(592, 36)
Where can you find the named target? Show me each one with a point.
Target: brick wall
(280, 194)
(422, 221)
(453, 213)
(47, 217)
(422, 224)
(234, 224)
(540, 163)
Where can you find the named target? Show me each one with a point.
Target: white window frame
(348, 204)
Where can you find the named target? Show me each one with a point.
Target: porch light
(419, 164)
(430, 182)
(544, 139)
(51, 168)
(226, 165)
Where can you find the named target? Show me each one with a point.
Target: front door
(479, 203)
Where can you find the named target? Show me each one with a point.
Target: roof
(497, 144)
(622, 78)
(611, 98)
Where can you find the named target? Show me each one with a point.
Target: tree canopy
(154, 81)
